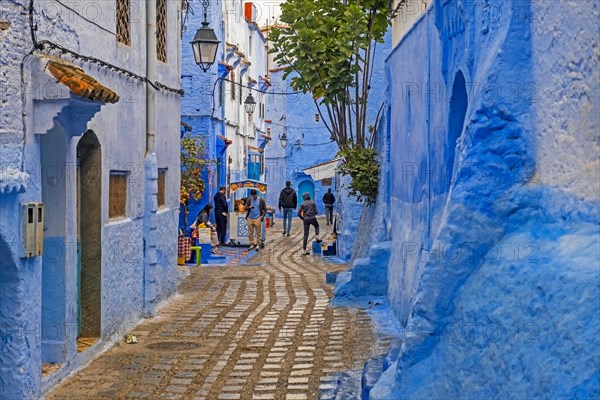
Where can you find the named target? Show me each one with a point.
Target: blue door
(306, 187)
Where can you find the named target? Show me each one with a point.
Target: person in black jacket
(221, 211)
(287, 201)
(328, 200)
(308, 214)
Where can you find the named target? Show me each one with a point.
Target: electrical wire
(85, 18)
(262, 91)
(156, 85)
(41, 45)
(317, 144)
(222, 78)
(306, 128)
(23, 91)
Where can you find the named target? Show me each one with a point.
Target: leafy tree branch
(193, 164)
(327, 48)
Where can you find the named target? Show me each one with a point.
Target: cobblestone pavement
(261, 331)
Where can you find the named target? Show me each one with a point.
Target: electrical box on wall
(39, 229)
(32, 230)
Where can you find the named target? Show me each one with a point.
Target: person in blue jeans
(288, 200)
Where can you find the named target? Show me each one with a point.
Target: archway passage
(306, 187)
(89, 195)
(459, 102)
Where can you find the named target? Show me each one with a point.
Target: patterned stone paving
(240, 332)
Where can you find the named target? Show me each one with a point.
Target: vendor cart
(238, 227)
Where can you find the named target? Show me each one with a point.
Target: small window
(233, 89)
(161, 30)
(268, 131)
(123, 19)
(317, 118)
(117, 194)
(162, 176)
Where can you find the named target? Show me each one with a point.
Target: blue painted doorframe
(306, 187)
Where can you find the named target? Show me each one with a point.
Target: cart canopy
(248, 184)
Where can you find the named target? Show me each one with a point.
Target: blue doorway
(306, 187)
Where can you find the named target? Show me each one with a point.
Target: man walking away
(221, 211)
(256, 210)
(308, 213)
(288, 201)
(328, 200)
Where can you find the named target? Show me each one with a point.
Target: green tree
(327, 48)
(193, 163)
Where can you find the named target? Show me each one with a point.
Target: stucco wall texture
(38, 158)
(495, 202)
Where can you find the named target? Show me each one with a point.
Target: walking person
(256, 210)
(221, 211)
(328, 200)
(288, 200)
(308, 213)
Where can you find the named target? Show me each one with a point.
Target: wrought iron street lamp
(283, 139)
(205, 43)
(249, 104)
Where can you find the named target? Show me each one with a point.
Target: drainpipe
(150, 170)
(150, 72)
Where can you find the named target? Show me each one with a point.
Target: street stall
(238, 227)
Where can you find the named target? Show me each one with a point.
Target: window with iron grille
(162, 180)
(161, 30)
(123, 22)
(117, 194)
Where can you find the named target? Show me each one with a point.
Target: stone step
(372, 371)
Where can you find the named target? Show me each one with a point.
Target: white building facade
(246, 60)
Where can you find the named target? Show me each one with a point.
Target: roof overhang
(323, 170)
(79, 82)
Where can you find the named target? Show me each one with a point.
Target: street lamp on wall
(283, 139)
(249, 104)
(205, 43)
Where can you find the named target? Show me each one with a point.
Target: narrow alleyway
(257, 331)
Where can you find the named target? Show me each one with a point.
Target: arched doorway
(89, 196)
(306, 187)
(459, 102)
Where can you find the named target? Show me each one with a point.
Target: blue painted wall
(197, 109)
(494, 226)
(38, 295)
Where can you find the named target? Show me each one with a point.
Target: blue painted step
(216, 259)
(372, 371)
